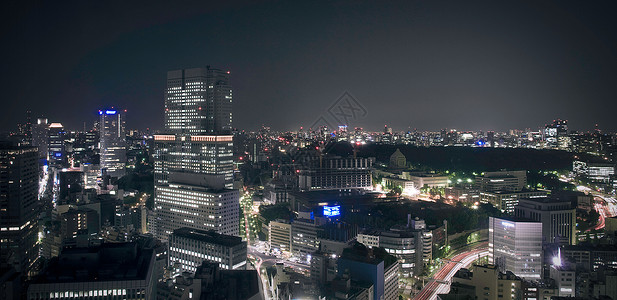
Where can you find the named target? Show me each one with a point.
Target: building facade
(18, 206)
(190, 247)
(558, 218)
(515, 245)
(112, 142)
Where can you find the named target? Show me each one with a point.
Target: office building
(304, 233)
(108, 271)
(374, 266)
(190, 247)
(558, 218)
(198, 101)
(412, 245)
(486, 282)
(336, 173)
(507, 200)
(515, 245)
(193, 154)
(279, 235)
(40, 135)
(511, 181)
(193, 168)
(56, 149)
(210, 282)
(112, 142)
(195, 206)
(18, 206)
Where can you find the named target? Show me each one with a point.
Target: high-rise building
(195, 206)
(198, 101)
(515, 245)
(210, 155)
(191, 247)
(18, 206)
(112, 142)
(558, 218)
(556, 134)
(55, 145)
(40, 135)
(193, 169)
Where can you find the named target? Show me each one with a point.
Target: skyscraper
(112, 142)
(193, 169)
(40, 135)
(198, 101)
(18, 205)
(55, 145)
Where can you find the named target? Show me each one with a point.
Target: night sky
(470, 65)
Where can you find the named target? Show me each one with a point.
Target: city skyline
(425, 65)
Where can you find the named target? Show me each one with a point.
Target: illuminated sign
(332, 211)
(110, 112)
(507, 224)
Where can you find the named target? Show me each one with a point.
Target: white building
(190, 247)
(195, 206)
(515, 245)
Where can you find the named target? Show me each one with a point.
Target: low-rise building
(190, 247)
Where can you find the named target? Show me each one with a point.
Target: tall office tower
(198, 101)
(515, 245)
(558, 218)
(18, 205)
(210, 155)
(55, 145)
(112, 142)
(193, 168)
(28, 127)
(40, 135)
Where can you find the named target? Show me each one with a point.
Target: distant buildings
(336, 173)
(596, 172)
(558, 218)
(511, 181)
(113, 142)
(506, 201)
(190, 247)
(19, 206)
(515, 245)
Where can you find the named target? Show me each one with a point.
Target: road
(441, 280)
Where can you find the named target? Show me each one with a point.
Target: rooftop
(209, 236)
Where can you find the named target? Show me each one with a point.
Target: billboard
(331, 211)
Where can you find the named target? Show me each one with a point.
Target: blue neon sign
(332, 211)
(110, 112)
